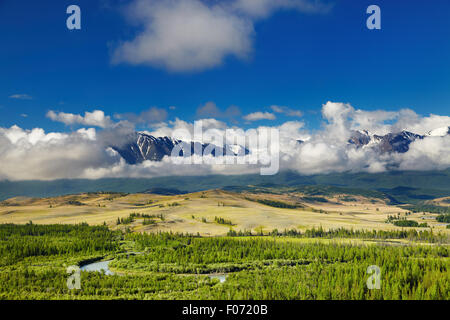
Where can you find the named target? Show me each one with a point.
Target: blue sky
(299, 60)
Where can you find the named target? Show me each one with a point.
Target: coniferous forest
(280, 265)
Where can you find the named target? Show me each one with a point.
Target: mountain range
(141, 146)
(392, 142)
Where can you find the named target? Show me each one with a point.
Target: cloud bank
(194, 35)
(85, 152)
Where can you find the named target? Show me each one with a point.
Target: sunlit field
(197, 213)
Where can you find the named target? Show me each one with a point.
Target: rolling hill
(402, 186)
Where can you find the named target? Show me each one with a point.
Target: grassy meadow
(196, 213)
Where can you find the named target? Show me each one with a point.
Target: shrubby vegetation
(75, 203)
(403, 222)
(427, 208)
(406, 223)
(315, 199)
(127, 220)
(148, 221)
(443, 218)
(147, 218)
(220, 220)
(174, 204)
(277, 204)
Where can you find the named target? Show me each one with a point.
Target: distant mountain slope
(142, 146)
(392, 142)
(419, 185)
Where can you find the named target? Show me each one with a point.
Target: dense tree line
(427, 208)
(31, 240)
(443, 218)
(220, 220)
(278, 204)
(406, 223)
(413, 235)
(315, 199)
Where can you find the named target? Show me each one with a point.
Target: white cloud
(21, 96)
(172, 128)
(255, 116)
(345, 117)
(410, 121)
(427, 154)
(16, 134)
(96, 118)
(184, 35)
(194, 35)
(328, 150)
(34, 154)
(287, 111)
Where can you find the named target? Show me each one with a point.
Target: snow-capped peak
(439, 132)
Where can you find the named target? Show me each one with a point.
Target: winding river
(222, 277)
(104, 265)
(98, 267)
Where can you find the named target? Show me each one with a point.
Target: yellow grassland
(195, 212)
